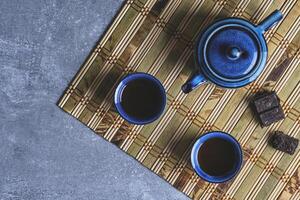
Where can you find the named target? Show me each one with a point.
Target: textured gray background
(45, 153)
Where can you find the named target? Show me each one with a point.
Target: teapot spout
(194, 81)
(270, 21)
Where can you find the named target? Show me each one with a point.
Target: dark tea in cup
(140, 98)
(216, 157)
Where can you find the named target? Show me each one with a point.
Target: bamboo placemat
(157, 37)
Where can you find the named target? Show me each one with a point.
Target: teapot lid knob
(233, 52)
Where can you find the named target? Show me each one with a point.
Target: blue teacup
(216, 157)
(140, 98)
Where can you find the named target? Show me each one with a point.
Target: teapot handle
(194, 81)
(270, 21)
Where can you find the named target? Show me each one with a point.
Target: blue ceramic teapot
(231, 53)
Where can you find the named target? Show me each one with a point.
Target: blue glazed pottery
(150, 107)
(231, 53)
(237, 160)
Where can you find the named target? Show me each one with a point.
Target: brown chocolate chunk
(266, 102)
(267, 108)
(283, 142)
(271, 116)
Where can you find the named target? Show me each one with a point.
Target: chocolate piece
(267, 107)
(283, 142)
(266, 102)
(271, 116)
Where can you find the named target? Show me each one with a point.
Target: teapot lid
(232, 52)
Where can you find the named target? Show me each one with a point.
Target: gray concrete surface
(45, 153)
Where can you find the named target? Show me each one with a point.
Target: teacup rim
(121, 86)
(195, 162)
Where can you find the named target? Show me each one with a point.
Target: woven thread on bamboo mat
(158, 37)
